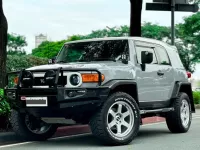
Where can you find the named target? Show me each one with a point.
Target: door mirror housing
(147, 57)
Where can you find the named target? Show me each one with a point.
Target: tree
(187, 56)
(17, 62)
(51, 49)
(135, 21)
(48, 49)
(188, 33)
(155, 31)
(3, 44)
(16, 43)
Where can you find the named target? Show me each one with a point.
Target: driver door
(147, 74)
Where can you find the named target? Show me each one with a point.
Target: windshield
(110, 50)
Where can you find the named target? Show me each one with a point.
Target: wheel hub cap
(36, 126)
(120, 119)
(185, 113)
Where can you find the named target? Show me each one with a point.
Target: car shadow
(90, 141)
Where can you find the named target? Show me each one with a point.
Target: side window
(140, 49)
(162, 56)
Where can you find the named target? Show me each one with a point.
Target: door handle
(160, 73)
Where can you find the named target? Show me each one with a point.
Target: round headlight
(49, 77)
(27, 78)
(75, 80)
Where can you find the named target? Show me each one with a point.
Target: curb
(72, 130)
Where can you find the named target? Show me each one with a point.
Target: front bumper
(58, 100)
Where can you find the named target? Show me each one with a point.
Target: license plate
(35, 101)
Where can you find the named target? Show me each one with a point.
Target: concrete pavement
(151, 137)
(8, 139)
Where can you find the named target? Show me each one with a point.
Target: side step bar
(162, 110)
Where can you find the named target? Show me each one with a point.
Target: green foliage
(16, 62)
(196, 96)
(16, 43)
(154, 31)
(4, 105)
(1, 92)
(187, 56)
(188, 32)
(48, 49)
(16, 53)
(109, 32)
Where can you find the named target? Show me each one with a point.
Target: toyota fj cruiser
(108, 83)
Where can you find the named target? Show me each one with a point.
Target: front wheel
(179, 120)
(118, 120)
(30, 128)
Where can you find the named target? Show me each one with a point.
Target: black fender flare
(184, 87)
(117, 83)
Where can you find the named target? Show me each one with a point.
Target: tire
(20, 127)
(99, 122)
(173, 119)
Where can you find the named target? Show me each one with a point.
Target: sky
(61, 18)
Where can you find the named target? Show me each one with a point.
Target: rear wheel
(179, 120)
(30, 128)
(118, 121)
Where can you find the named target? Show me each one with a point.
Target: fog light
(72, 94)
(50, 77)
(27, 78)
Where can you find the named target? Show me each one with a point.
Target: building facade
(39, 39)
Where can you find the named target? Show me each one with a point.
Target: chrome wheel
(185, 113)
(36, 126)
(120, 119)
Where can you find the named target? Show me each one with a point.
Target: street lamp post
(172, 21)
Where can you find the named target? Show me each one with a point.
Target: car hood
(96, 65)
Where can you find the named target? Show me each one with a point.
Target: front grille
(39, 81)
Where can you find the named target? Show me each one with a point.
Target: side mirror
(52, 60)
(147, 57)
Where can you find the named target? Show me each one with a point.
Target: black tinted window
(140, 49)
(93, 51)
(162, 55)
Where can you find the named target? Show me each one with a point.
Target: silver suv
(109, 83)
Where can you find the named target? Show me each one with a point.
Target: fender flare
(178, 87)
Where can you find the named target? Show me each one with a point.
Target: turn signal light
(92, 78)
(16, 79)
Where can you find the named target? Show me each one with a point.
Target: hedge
(4, 105)
(4, 112)
(196, 96)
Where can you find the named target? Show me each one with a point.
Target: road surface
(151, 137)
